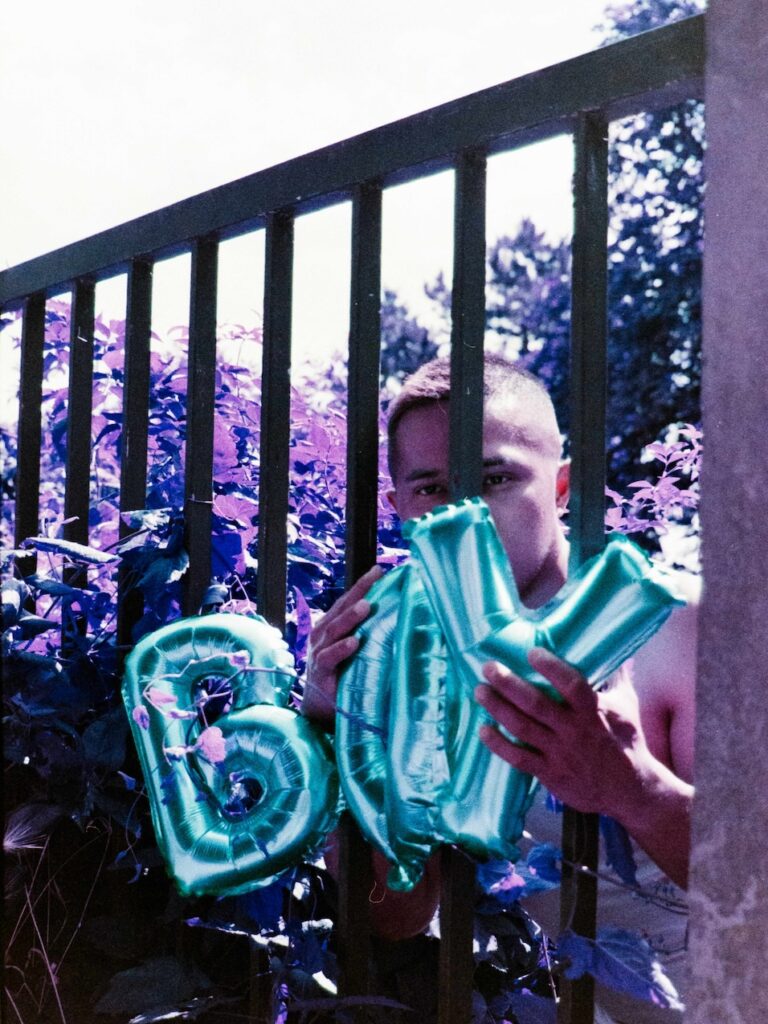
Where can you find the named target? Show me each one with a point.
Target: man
(626, 752)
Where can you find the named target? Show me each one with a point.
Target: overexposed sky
(110, 110)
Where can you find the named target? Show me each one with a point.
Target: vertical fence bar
(466, 455)
(78, 479)
(578, 906)
(363, 383)
(198, 458)
(198, 452)
(468, 326)
(589, 337)
(275, 430)
(77, 488)
(27, 511)
(275, 418)
(355, 876)
(133, 450)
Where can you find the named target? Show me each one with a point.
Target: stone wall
(729, 881)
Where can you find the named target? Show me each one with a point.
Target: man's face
(524, 484)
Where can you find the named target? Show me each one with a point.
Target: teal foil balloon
(362, 713)
(612, 605)
(417, 762)
(407, 696)
(609, 608)
(240, 786)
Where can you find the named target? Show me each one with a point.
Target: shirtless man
(626, 752)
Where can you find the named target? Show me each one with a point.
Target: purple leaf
(303, 622)
(532, 1009)
(76, 552)
(212, 745)
(622, 960)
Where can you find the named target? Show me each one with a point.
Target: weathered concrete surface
(729, 890)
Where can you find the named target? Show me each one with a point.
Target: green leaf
(156, 984)
(54, 587)
(163, 569)
(75, 552)
(104, 740)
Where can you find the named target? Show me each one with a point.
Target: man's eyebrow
(421, 474)
(431, 474)
(499, 460)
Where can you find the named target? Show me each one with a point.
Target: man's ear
(563, 484)
(391, 496)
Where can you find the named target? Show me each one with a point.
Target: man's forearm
(659, 820)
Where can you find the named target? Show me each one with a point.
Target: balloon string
(550, 973)
(372, 893)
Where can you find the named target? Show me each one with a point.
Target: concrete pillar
(729, 868)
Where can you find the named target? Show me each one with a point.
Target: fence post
(133, 451)
(198, 454)
(27, 512)
(578, 907)
(729, 869)
(355, 873)
(466, 459)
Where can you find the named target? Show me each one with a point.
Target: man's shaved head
(502, 380)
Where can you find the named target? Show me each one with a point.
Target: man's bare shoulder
(671, 652)
(664, 676)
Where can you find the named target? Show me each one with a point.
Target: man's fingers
(329, 658)
(359, 588)
(516, 722)
(568, 681)
(529, 761)
(337, 625)
(349, 611)
(526, 697)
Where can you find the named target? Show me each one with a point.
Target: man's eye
(428, 490)
(497, 479)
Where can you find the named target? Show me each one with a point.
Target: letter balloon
(457, 606)
(240, 786)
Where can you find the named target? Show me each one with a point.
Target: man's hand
(330, 643)
(590, 752)
(582, 750)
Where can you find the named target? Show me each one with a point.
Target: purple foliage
(623, 961)
(63, 666)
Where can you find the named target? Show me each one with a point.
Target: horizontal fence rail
(649, 71)
(579, 96)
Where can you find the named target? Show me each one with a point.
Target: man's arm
(591, 752)
(331, 642)
(664, 676)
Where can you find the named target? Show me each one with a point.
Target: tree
(405, 344)
(656, 227)
(655, 243)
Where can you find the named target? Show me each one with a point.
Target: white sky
(112, 109)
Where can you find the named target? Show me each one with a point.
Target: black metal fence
(579, 96)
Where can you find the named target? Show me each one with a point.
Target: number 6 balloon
(235, 803)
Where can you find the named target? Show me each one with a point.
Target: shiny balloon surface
(240, 786)
(453, 607)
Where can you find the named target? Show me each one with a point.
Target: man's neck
(550, 578)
